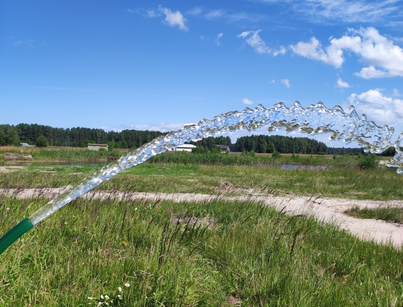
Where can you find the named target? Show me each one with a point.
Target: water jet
(315, 119)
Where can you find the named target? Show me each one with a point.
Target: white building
(185, 147)
(97, 146)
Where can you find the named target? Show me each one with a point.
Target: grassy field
(141, 253)
(59, 154)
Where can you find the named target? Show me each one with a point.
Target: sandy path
(327, 210)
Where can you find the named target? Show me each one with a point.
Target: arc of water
(346, 126)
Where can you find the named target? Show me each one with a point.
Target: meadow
(112, 252)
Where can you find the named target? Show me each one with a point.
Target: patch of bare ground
(16, 156)
(233, 301)
(324, 209)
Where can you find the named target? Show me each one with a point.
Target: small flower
(120, 289)
(127, 285)
(90, 298)
(107, 297)
(120, 297)
(102, 297)
(135, 209)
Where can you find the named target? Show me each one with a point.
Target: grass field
(159, 253)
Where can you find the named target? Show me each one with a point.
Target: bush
(200, 150)
(248, 153)
(276, 155)
(42, 141)
(367, 161)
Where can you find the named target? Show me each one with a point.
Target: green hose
(14, 233)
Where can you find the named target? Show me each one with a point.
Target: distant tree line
(280, 144)
(41, 135)
(76, 137)
(211, 142)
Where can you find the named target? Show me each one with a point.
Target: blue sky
(159, 65)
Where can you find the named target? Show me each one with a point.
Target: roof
(186, 146)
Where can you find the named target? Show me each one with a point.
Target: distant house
(26, 145)
(97, 146)
(184, 147)
(224, 147)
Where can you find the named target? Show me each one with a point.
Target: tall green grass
(77, 155)
(388, 214)
(379, 183)
(239, 252)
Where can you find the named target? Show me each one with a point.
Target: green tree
(12, 137)
(42, 141)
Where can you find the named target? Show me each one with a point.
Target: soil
(16, 156)
(324, 209)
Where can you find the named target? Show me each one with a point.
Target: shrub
(200, 150)
(42, 141)
(276, 155)
(367, 161)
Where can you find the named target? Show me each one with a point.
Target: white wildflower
(127, 285)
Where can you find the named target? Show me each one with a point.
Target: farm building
(184, 147)
(97, 146)
(224, 147)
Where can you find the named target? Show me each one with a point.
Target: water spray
(315, 119)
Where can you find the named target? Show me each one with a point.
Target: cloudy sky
(160, 65)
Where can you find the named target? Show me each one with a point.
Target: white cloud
(342, 84)
(385, 59)
(174, 18)
(217, 40)
(25, 43)
(215, 14)
(378, 107)
(229, 17)
(347, 11)
(195, 11)
(253, 39)
(396, 93)
(313, 50)
(151, 13)
(286, 82)
(247, 101)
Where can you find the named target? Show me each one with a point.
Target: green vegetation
(367, 161)
(80, 137)
(161, 253)
(76, 137)
(281, 144)
(9, 135)
(203, 173)
(389, 214)
(189, 254)
(42, 141)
